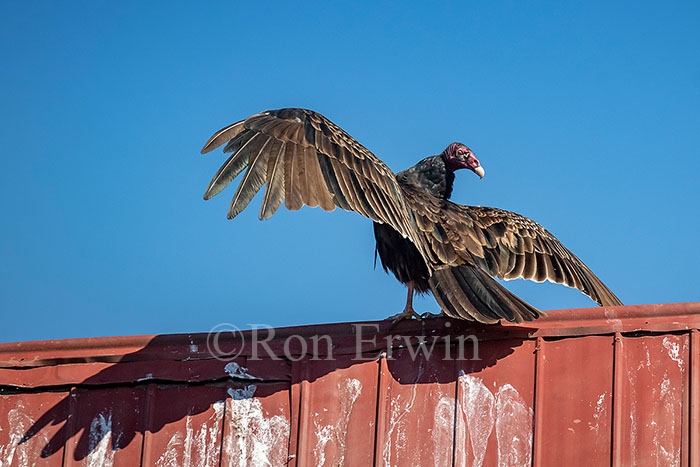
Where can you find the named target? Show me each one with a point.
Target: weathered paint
(612, 386)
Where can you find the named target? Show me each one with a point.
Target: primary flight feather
(428, 242)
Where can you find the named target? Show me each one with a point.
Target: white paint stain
(632, 377)
(443, 423)
(242, 394)
(667, 450)
(613, 320)
(478, 408)
(100, 452)
(253, 439)
(481, 411)
(235, 370)
(348, 392)
(169, 457)
(18, 423)
(664, 415)
(195, 448)
(665, 385)
(598, 413)
(324, 434)
(513, 428)
(398, 408)
(674, 351)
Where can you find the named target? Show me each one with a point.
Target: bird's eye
(460, 152)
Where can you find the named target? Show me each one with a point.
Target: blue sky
(586, 116)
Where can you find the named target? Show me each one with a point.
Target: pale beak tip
(480, 172)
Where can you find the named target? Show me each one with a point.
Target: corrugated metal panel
(185, 424)
(495, 400)
(574, 395)
(611, 386)
(105, 426)
(33, 428)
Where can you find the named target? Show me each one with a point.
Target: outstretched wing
(305, 159)
(503, 244)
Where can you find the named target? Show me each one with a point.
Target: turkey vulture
(430, 243)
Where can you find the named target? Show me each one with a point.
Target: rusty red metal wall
(601, 386)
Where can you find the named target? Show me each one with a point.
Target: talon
(407, 313)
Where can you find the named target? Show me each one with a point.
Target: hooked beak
(479, 171)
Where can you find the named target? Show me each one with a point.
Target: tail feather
(467, 292)
(483, 299)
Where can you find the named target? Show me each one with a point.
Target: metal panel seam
(69, 422)
(616, 441)
(227, 404)
(537, 404)
(291, 455)
(148, 422)
(294, 414)
(456, 406)
(379, 425)
(694, 425)
(303, 415)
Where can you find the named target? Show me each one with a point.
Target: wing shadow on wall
(172, 395)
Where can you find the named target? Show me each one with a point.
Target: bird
(430, 244)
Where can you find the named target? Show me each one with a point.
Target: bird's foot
(407, 313)
(428, 314)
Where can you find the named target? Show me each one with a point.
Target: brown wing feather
(504, 244)
(275, 183)
(311, 161)
(548, 254)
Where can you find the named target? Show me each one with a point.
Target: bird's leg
(407, 312)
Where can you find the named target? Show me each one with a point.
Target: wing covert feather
(502, 243)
